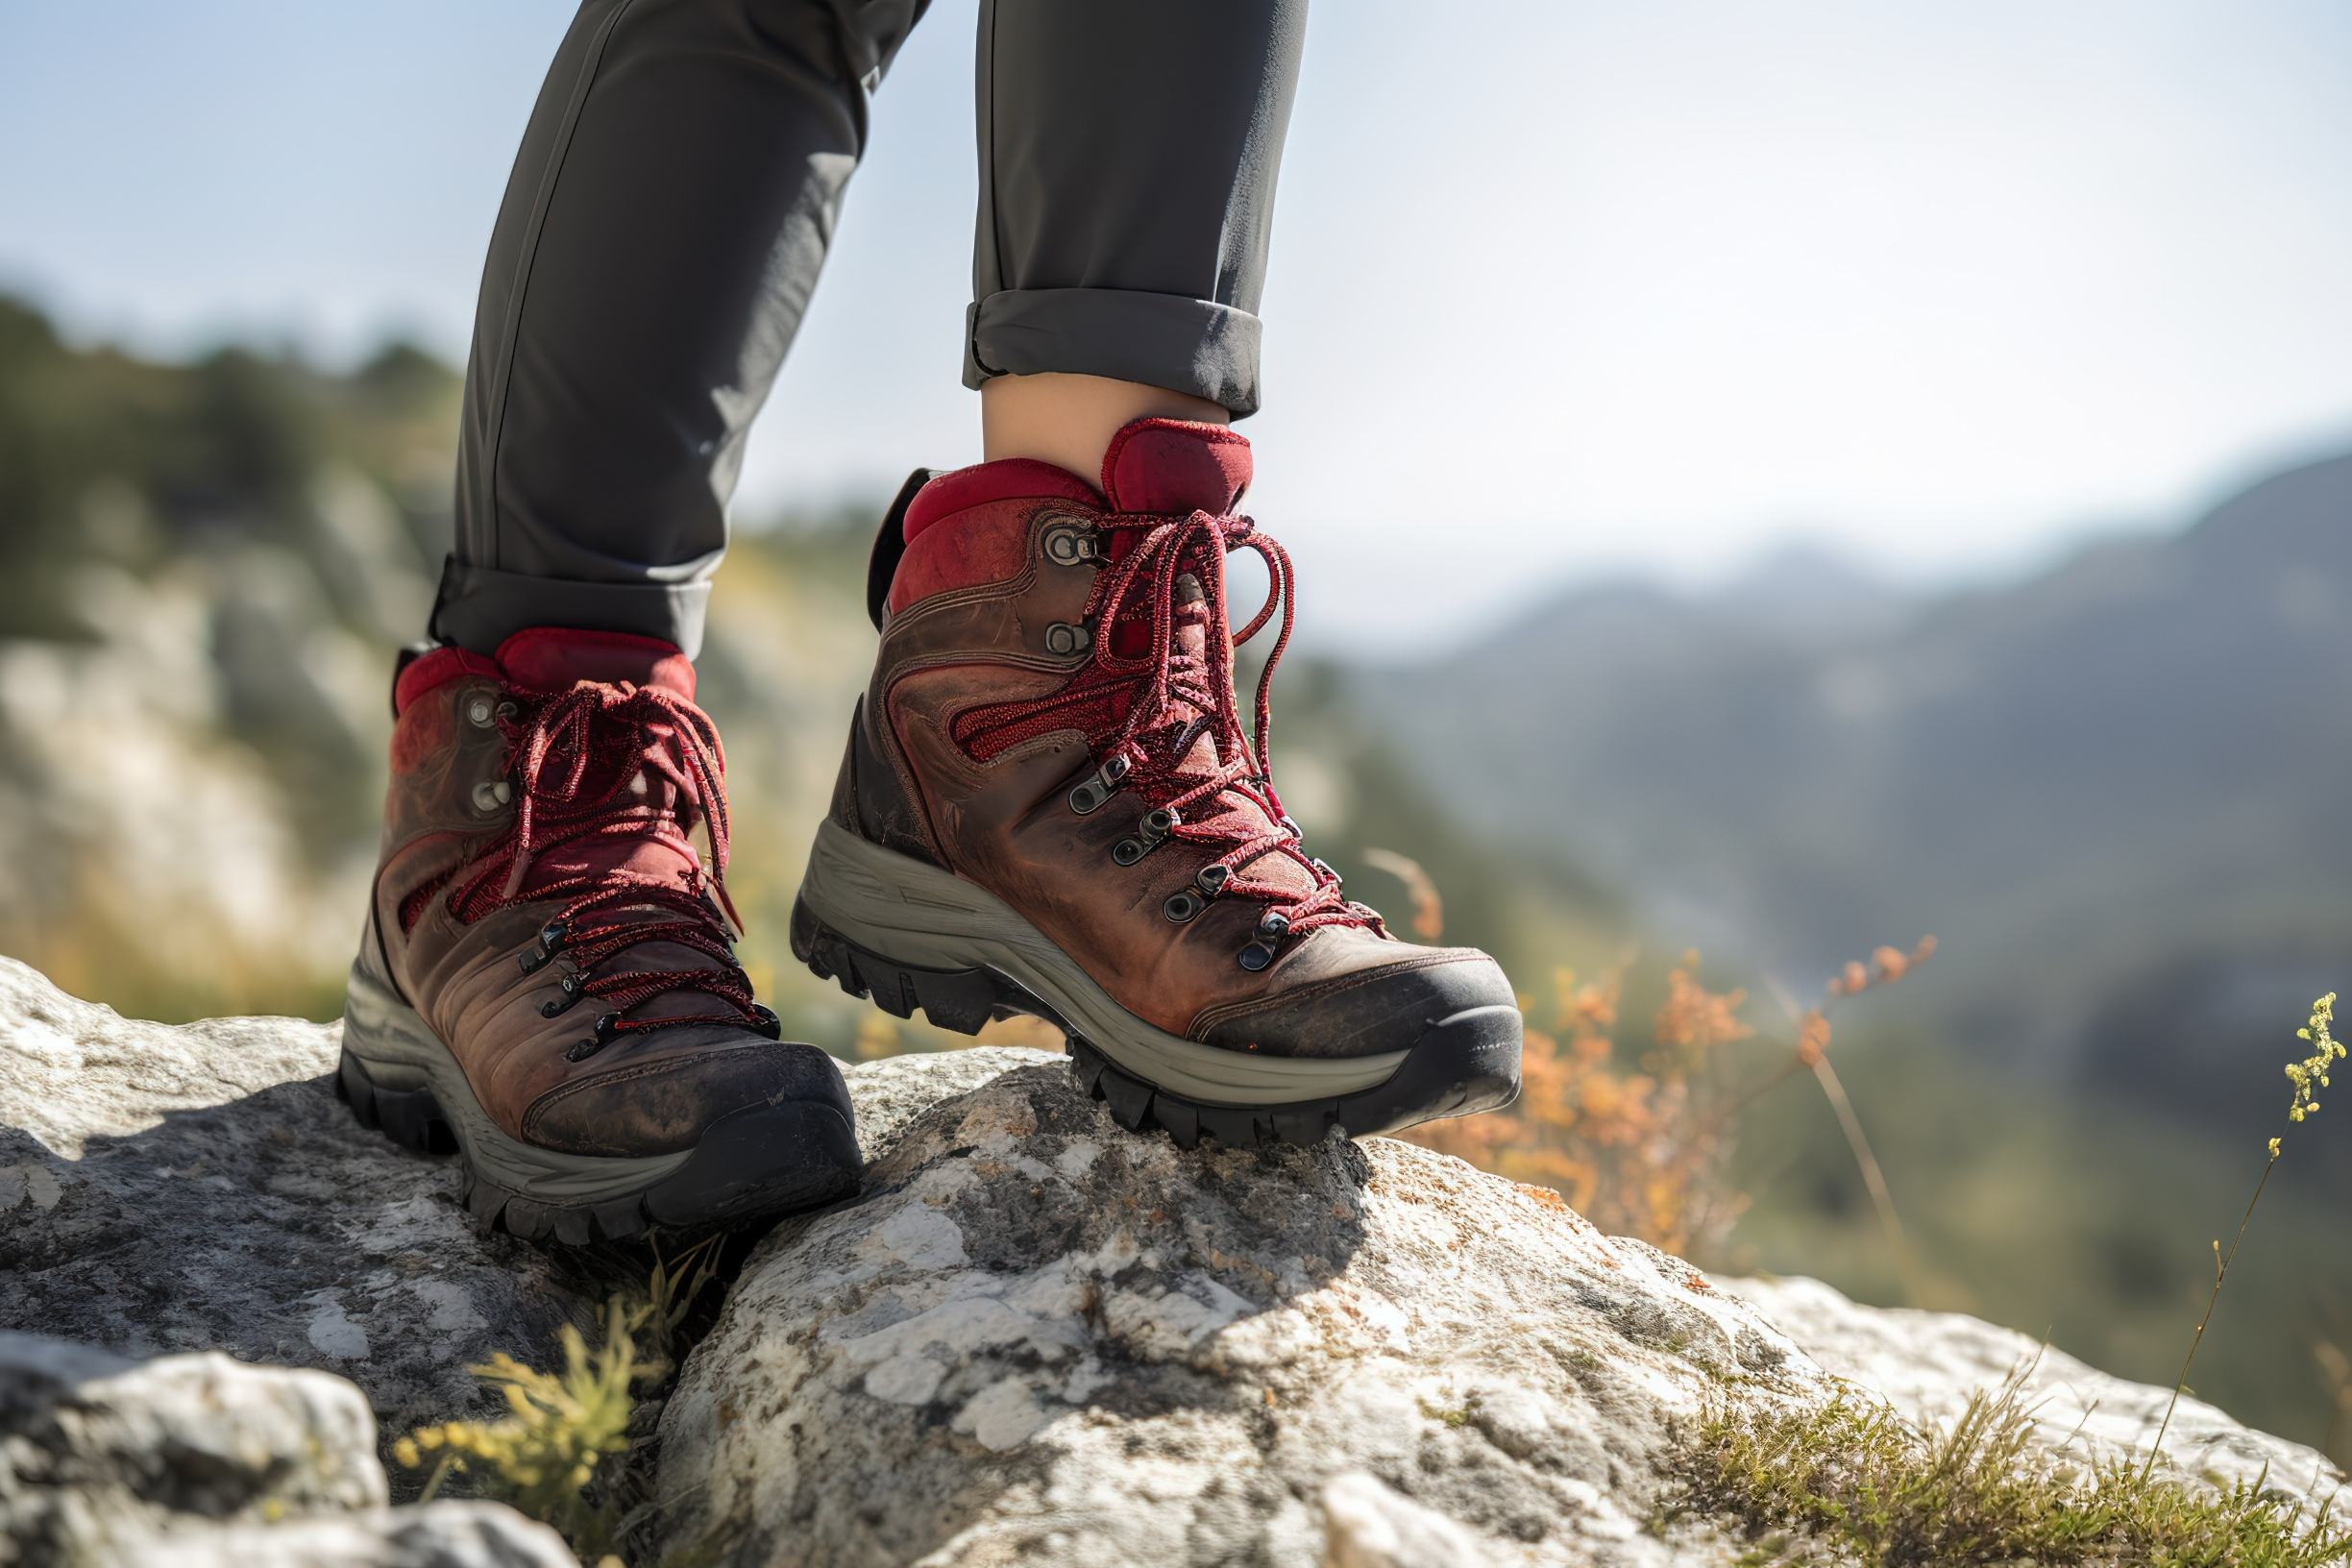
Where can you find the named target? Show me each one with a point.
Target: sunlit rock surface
(1036, 1336)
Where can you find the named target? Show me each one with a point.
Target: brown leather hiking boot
(1049, 806)
(548, 981)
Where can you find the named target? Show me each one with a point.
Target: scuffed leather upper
(974, 603)
(640, 1094)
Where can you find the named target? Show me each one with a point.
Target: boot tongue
(551, 660)
(1175, 467)
(1191, 638)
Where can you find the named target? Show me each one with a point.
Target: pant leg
(677, 188)
(1128, 150)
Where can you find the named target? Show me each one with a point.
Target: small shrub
(1642, 1152)
(545, 1455)
(1637, 1152)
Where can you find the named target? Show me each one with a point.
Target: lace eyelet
(1150, 834)
(1182, 906)
(1088, 796)
(572, 987)
(580, 1051)
(551, 937)
(1068, 543)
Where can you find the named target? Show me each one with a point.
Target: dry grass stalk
(1429, 910)
(1641, 1152)
(2306, 1075)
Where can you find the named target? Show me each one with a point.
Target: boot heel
(393, 1044)
(412, 1119)
(385, 1071)
(961, 1000)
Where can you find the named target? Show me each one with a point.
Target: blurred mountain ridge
(2117, 790)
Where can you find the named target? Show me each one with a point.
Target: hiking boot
(548, 984)
(1049, 806)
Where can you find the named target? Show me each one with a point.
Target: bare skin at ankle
(1069, 420)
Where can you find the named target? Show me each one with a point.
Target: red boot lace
(582, 760)
(1135, 708)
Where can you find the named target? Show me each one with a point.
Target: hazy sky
(1557, 289)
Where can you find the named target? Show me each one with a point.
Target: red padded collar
(550, 659)
(1174, 467)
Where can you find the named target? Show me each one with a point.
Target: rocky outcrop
(1034, 1336)
(1031, 1337)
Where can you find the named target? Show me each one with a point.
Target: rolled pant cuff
(478, 609)
(1168, 340)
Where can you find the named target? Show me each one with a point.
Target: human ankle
(1069, 420)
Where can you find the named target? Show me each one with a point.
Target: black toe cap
(666, 1104)
(1366, 1011)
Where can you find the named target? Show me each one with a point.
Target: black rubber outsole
(754, 1163)
(1460, 1066)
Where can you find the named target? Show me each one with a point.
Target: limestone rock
(106, 1462)
(1926, 1364)
(94, 1444)
(436, 1536)
(1036, 1337)
(891, 1093)
(1366, 1525)
(200, 1187)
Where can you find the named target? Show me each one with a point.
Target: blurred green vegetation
(205, 570)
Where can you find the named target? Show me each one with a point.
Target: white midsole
(898, 907)
(400, 1052)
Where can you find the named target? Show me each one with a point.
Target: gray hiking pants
(677, 186)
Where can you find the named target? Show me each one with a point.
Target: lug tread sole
(750, 1163)
(702, 1193)
(1461, 1065)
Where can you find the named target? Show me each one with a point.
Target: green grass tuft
(564, 1453)
(1849, 1481)
(544, 1456)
